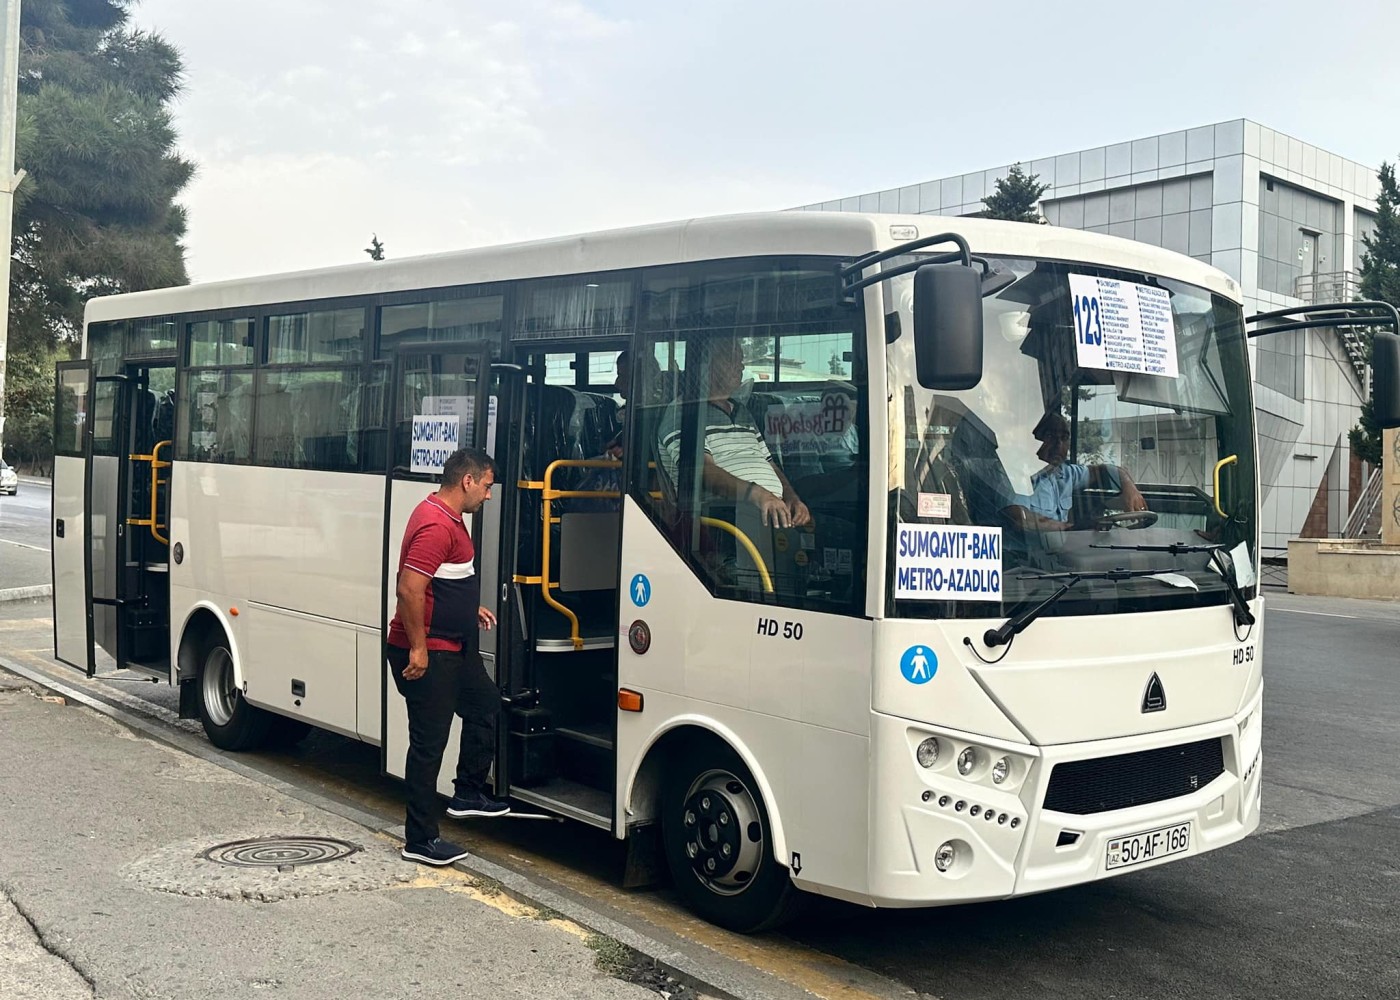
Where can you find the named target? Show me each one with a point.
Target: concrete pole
(9, 96)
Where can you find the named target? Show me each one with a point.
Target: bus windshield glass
(1111, 431)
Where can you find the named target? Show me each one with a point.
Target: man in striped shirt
(737, 462)
(433, 654)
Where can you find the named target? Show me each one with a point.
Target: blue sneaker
(476, 804)
(437, 852)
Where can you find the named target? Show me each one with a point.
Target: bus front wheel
(719, 844)
(229, 721)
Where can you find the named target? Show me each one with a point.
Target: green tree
(96, 214)
(1016, 197)
(375, 248)
(1380, 281)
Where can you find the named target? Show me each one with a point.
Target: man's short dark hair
(467, 462)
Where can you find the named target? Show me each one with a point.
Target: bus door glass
(69, 531)
(437, 405)
(106, 527)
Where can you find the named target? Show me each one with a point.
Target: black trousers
(456, 683)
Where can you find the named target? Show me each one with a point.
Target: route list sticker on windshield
(1121, 326)
(938, 562)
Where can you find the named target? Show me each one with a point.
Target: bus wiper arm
(1000, 636)
(1243, 616)
(1175, 548)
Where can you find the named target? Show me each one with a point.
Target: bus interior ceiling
(562, 727)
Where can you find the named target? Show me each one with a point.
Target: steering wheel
(1131, 519)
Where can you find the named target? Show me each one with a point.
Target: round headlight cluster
(928, 752)
(967, 760)
(1001, 770)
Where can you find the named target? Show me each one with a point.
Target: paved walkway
(105, 890)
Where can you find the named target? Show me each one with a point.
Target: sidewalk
(105, 890)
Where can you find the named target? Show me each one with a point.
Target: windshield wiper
(1000, 636)
(1175, 548)
(1243, 616)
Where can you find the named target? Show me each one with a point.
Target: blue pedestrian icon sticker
(640, 590)
(918, 664)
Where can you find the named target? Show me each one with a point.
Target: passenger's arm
(725, 484)
(796, 509)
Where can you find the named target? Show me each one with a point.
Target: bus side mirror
(948, 326)
(1385, 378)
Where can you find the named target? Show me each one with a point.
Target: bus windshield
(1075, 458)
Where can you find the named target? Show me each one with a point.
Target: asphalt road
(1304, 909)
(24, 536)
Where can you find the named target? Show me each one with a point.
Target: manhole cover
(280, 852)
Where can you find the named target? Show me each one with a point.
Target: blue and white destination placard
(945, 562)
(434, 439)
(1122, 326)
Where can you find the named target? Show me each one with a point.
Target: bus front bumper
(940, 837)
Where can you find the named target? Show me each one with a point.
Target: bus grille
(1133, 779)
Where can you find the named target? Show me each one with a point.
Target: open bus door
(72, 642)
(110, 511)
(439, 401)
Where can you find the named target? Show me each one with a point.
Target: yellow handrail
(749, 547)
(1215, 478)
(548, 495)
(152, 522)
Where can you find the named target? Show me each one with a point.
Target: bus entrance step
(585, 753)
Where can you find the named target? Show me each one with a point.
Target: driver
(1047, 507)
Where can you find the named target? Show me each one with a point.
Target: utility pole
(9, 180)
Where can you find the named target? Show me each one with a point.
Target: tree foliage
(1016, 197)
(375, 248)
(96, 214)
(1380, 281)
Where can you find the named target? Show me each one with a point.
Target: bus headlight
(928, 752)
(1001, 770)
(967, 760)
(944, 857)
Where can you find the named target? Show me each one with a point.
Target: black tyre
(229, 721)
(718, 842)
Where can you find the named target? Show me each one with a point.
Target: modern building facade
(1284, 218)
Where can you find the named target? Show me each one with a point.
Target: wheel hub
(724, 837)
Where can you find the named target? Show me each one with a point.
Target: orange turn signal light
(233, 612)
(629, 700)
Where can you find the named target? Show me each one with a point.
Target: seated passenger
(1047, 507)
(648, 391)
(737, 462)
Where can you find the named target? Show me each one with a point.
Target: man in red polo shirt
(434, 657)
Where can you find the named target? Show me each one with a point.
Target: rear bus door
(439, 402)
(71, 586)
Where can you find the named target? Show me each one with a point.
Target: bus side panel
(798, 710)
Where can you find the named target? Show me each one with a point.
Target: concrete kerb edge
(26, 593)
(711, 980)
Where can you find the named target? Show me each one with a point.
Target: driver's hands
(1132, 499)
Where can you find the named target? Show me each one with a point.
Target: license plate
(1142, 847)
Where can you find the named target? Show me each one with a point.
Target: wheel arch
(204, 619)
(641, 799)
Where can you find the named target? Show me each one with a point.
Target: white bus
(1014, 646)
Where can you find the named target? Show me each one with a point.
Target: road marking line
(23, 545)
(1327, 614)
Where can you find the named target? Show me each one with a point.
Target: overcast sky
(443, 124)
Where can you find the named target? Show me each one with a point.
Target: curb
(715, 978)
(26, 593)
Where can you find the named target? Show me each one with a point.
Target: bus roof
(842, 234)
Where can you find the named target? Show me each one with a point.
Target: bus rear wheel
(229, 721)
(718, 842)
